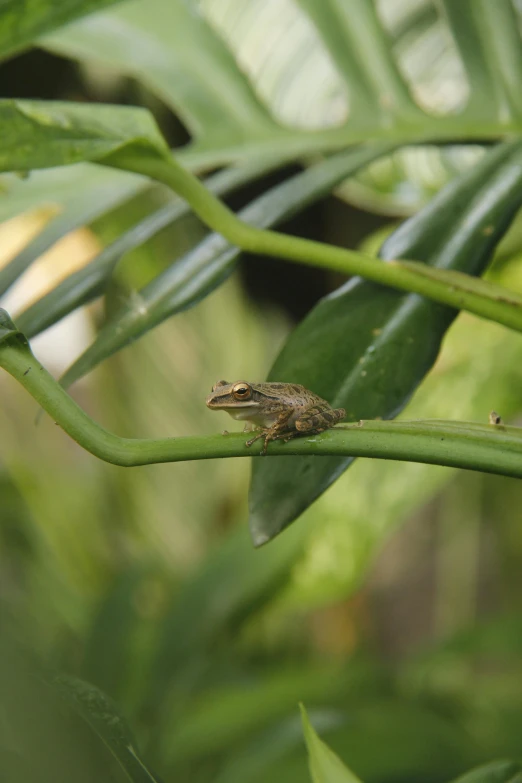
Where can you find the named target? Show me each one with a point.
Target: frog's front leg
(274, 432)
(318, 419)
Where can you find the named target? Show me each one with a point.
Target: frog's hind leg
(318, 418)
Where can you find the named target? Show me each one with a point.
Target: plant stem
(409, 277)
(490, 449)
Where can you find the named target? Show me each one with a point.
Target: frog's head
(231, 397)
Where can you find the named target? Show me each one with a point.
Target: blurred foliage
(392, 610)
(142, 582)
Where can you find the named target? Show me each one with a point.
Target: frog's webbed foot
(266, 434)
(275, 432)
(256, 437)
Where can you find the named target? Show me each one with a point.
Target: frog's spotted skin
(278, 410)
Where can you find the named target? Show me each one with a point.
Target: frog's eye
(242, 391)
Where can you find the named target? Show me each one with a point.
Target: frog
(278, 411)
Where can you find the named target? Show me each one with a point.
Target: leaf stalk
(487, 448)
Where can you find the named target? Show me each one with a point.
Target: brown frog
(278, 410)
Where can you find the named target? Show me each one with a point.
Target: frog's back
(293, 394)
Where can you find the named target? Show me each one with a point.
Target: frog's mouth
(225, 406)
(231, 408)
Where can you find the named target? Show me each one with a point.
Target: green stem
(410, 277)
(455, 444)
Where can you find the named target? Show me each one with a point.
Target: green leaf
(42, 134)
(366, 348)
(340, 78)
(325, 765)
(496, 772)
(21, 23)
(209, 264)
(102, 715)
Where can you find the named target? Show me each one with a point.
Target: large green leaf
(336, 74)
(21, 23)
(43, 134)
(196, 274)
(366, 348)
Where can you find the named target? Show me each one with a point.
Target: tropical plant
(359, 94)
